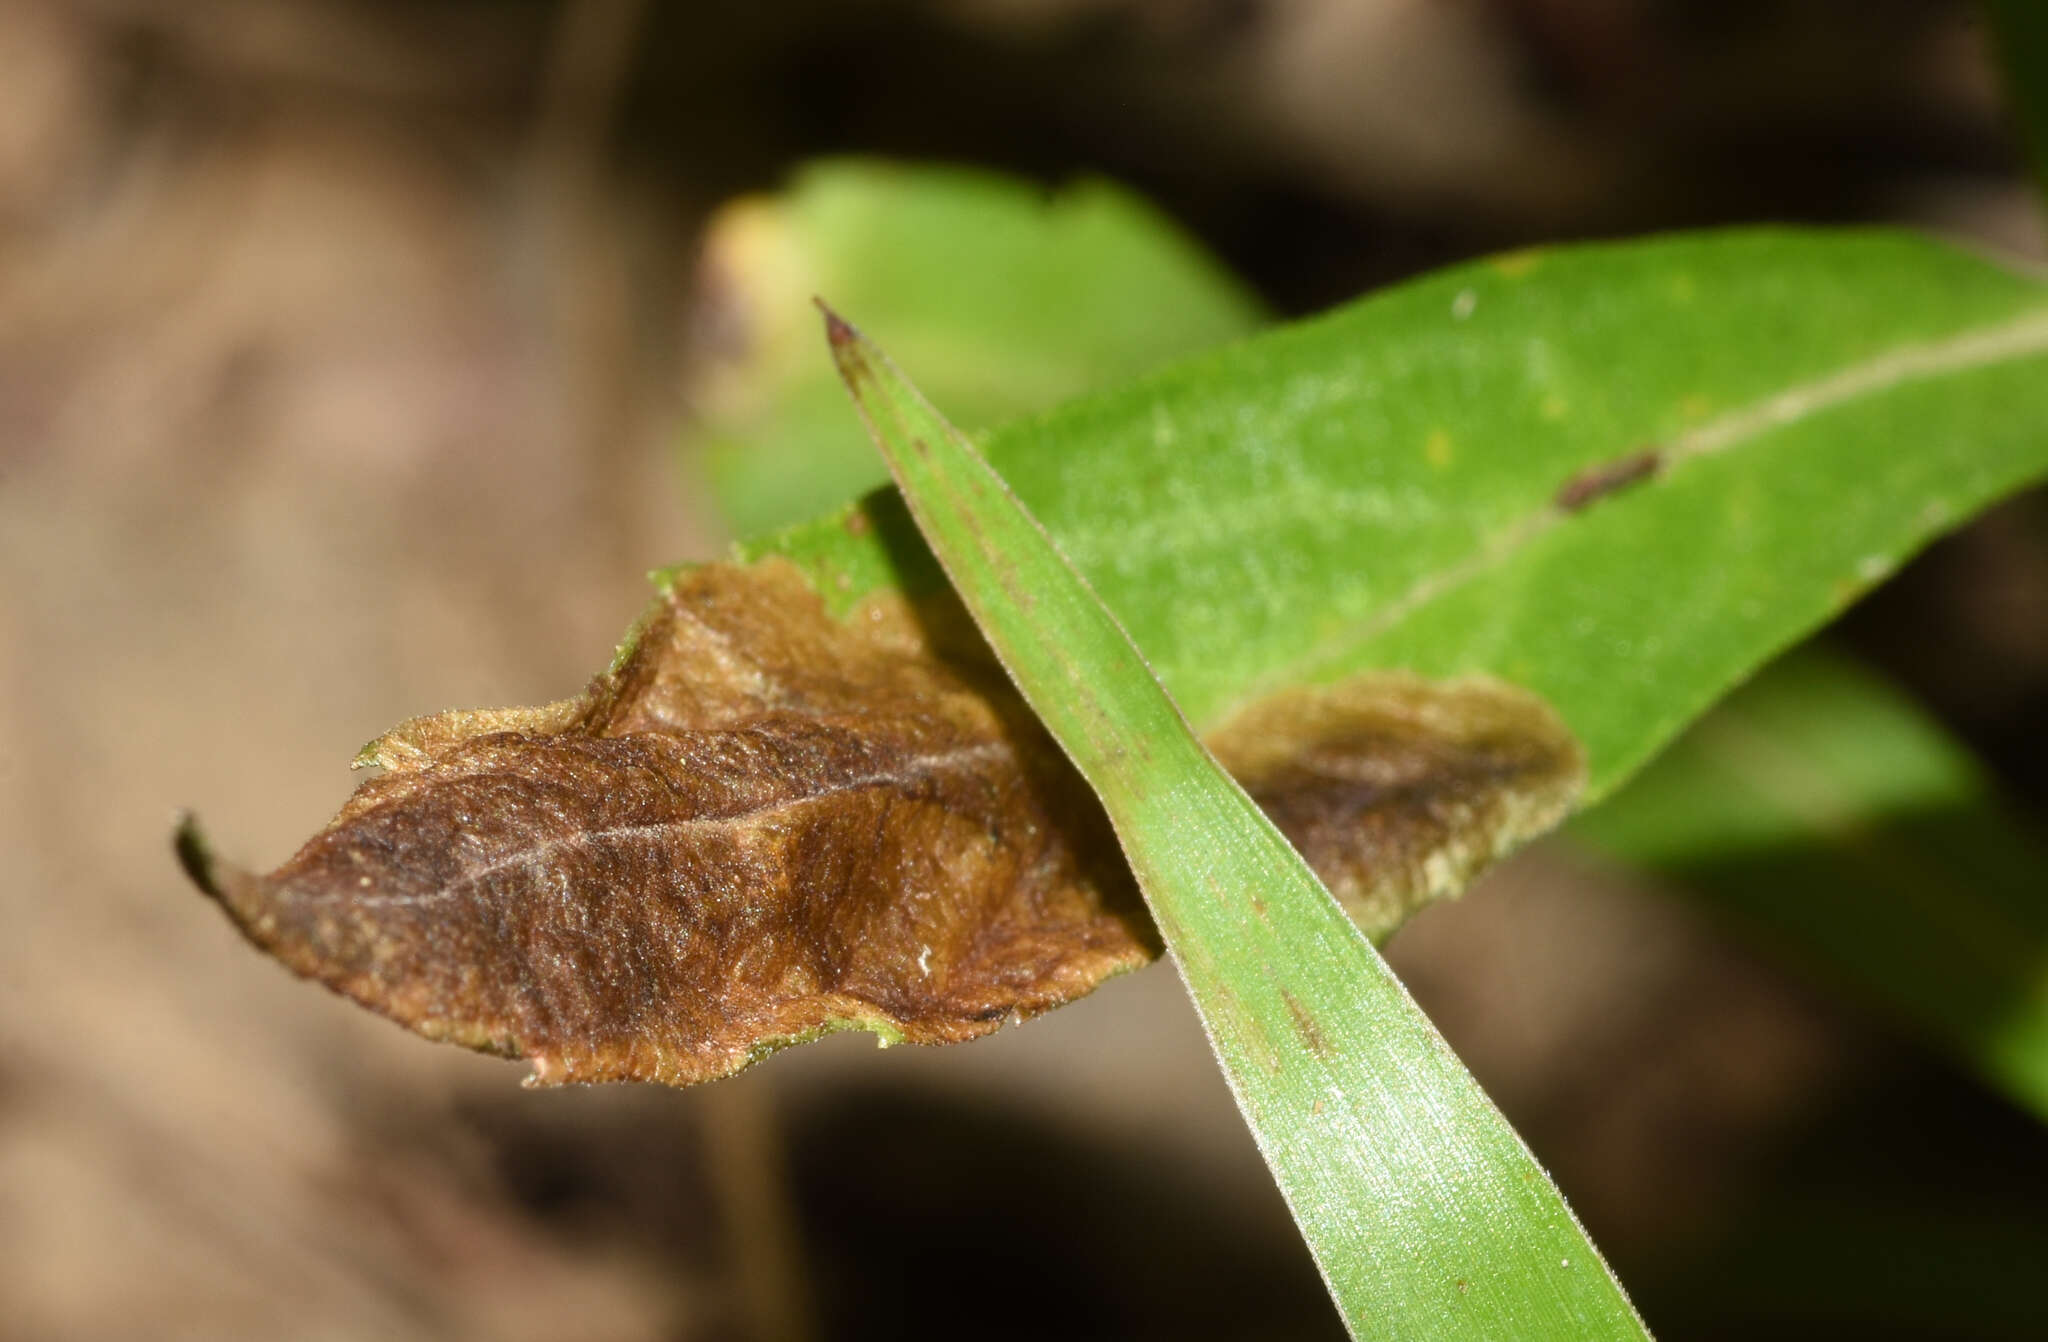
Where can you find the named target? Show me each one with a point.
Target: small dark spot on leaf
(1597, 482)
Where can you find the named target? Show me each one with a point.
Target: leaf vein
(535, 855)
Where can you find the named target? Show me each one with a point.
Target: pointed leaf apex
(195, 855)
(837, 329)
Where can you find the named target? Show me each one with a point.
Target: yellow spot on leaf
(1555, 407)
(1436, 449)
(1695, 407)
(1514, 265)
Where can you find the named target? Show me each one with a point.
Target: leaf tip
(242, 897)
(195, 854)
(850, 349)
(837, 329)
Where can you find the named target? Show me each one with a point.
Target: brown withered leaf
(764, 824)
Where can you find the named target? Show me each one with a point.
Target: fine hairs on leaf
(1425, 1213)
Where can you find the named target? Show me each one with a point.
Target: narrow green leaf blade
(1821, 808)
(1425, 1212)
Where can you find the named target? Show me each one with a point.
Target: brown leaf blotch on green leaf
(1400, 790)
(764, 824)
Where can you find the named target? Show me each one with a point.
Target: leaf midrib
(533, 855)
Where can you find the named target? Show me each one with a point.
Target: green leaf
(1006, 297)
(1415, 481)
(1821, 808)
(1425, 1213)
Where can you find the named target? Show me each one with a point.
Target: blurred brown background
(342, 347)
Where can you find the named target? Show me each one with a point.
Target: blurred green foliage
(1006, 297)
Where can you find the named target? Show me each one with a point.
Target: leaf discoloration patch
(1400, 790)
